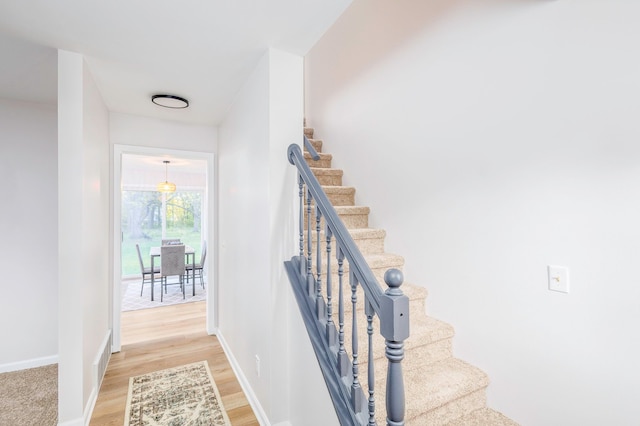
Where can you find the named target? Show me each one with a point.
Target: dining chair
(171, 263)
(199, 267)
(171, 241)
(146, 272)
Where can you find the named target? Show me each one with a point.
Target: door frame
(209, 233)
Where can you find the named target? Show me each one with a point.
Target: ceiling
(202, 50)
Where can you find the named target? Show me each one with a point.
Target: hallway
(155, 339)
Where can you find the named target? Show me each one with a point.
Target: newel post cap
(394, 322)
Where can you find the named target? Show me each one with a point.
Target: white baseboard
(244, 383)
(86, 415)
(29, 363)
(75, 422)
(88, 409)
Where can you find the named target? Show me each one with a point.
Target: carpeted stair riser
(483, 417)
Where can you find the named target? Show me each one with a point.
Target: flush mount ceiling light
(166, 186)
(170, 101)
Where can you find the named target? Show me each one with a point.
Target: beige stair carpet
(440, 389)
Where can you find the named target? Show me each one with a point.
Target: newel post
(394, 327)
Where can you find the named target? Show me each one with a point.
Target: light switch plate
(558, 278)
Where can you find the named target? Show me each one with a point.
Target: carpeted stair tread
(308, 132)
(326, 171)
(417, 296)
(378, 263)
(413, 291)
(368, 240)
(323, 162)
(316, 143)
(375, 261)
(435, 385)
(426, 329)
(429, 342)
(338, 189)
(483, 417)
(384, 260)
(344, 210)
(328, 176)
(352, 216)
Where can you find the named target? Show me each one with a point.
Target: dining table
(188, 252)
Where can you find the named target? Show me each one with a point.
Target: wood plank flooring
(159, 338)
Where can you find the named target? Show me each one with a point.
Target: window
(149, 216)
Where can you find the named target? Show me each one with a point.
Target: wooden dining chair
(199, 267)
(146, 272)
(171, 263)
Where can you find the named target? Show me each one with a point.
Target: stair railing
(315, 299)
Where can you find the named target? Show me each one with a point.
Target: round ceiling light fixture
(170, 101)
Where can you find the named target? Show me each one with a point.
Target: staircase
(440, 389)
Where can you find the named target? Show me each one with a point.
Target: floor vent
(102, 360)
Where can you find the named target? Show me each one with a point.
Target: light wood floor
(159, 338)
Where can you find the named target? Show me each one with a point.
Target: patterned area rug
(180, 396)
(131, 299)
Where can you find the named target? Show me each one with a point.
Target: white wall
(127, 129)
(257, 193)
(83, 230)
(96, 223)
(70, 209)
(243, 224)
(491, 139)
(29, 226)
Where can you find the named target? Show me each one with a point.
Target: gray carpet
(29, 397)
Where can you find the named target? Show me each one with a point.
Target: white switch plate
(258, 365)
(558, 278)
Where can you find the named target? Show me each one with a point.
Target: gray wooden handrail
(342, 375)
(310, 148)
(345, 242)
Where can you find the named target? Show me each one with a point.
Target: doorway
(187, 213)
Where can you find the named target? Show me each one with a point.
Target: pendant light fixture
(166, 186)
